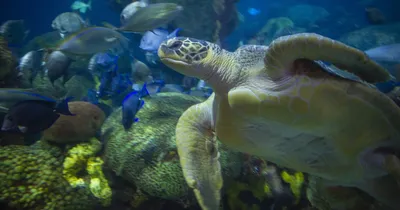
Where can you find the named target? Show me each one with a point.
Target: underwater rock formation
(274, 28)
(31, 178)
(305, 15)
(373, 36)
(146, 154)
(79, 128)
(6, 59)
(327, 198)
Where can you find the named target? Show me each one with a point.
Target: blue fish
(386, 87)
(131, 104)
(253, 11)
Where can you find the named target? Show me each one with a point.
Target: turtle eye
(175, 45)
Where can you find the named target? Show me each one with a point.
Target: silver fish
(151, 17)
(387, 53)
(31, 63)
(67, 23)
(140, 71)
(131, 9)
(94, 40)
(14, 31)
(57, 65)
(151, 40)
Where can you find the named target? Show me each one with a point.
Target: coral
(77, 86)
(46, 41)
(257, 188)
(31, 178)
(146, 155)
(6, 59)
(373, 36)
(98, 183)
(82, 126)
(295, 181)
(80, 157)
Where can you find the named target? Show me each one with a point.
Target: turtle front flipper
(198, 154)
(286, 49)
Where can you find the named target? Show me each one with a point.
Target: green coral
(146, 156)
(31, 178)
(82, 156)
(295, 181)
(6, 59)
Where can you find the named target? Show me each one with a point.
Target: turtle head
(188, 56)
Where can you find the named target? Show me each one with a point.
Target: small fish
(387, 53)
(140, 71)
(131, 9)
(253, 11)
(94, 40)
(57, 65)
(151, 40)
(150, 17)
(68, 22)
(31, 63)
(33, 116)
(14, 32)
(101, 61)
(81, 6)
(131, 105)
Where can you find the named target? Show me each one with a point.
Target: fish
(57, 65)
(253, 11)
(152, 40)
(14, 32)
(81, 6)
(130, 9)
(131, 104)
(140, 71)
(386, 53)
(68, 23)
(33, 116)
(100, 61)
(31, 63)
(94, 40)
(150, 17)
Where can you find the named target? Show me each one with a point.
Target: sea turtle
(276, 102)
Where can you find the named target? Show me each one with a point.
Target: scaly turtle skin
(276, 102)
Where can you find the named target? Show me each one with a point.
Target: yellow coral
(295, 181)
(98, 183)
(83, 156)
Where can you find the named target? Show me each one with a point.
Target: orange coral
(81, 127)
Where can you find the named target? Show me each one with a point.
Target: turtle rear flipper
(286, 49)
(198, 154)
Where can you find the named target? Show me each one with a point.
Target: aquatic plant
(6, 59)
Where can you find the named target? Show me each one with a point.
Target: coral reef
(80, 157)
(31, 178)
(6, 59)
(146, 155)
(81, 127)
(373, 36)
